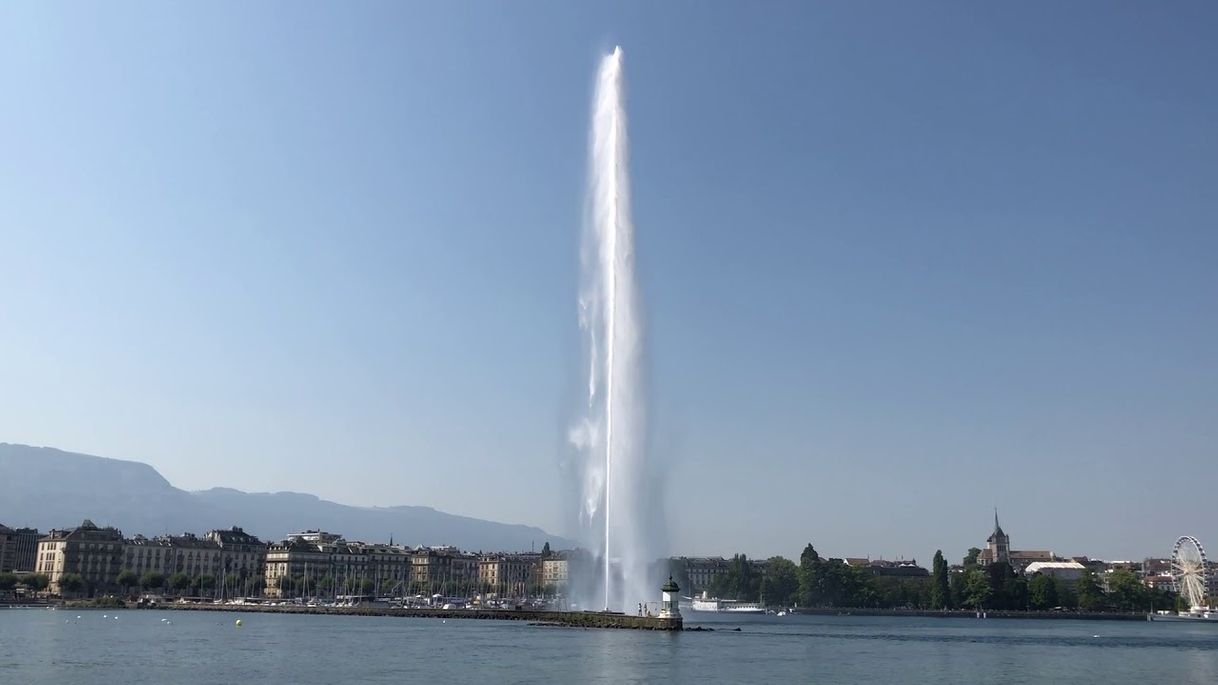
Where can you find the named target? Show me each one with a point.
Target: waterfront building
(18, 549)
(555, 573)
(242, 559)
(193, 556)
(443, 570)
(702, 571)
(385, 568)
(8, 549)
(293, 567)
(323, 564)
(93, 553)
(143, 555)
(1069, 571)
(507, 575)
(26, 549)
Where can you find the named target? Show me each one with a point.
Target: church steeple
(998, 546)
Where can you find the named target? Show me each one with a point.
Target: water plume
(616, 498)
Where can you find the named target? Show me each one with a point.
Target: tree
(8, 582)
(232, 584)
(1042, 592)
(740, 582)
(38, 582)
(545, 551)
(324, 585)
(1067, 593)
(127, 579)
(958, 590)
(1090, 594)
(1002, 576)
(151, 580)
(970, 559)
(206, 583)
(1127, 592)
(71, 583)
(809, 576)
(179, 582)
(940, 589)
(977, 590)
(367, 586)
(781, 582)
(1017, 593)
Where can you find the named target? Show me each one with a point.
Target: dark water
(39, 646)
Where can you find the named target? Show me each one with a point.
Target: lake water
(40, 646)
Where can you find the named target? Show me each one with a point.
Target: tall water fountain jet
(616, 493)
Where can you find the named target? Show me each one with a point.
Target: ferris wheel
(1188, 570)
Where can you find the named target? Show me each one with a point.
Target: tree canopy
(940, 589)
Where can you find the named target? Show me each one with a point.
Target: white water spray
(616, 495)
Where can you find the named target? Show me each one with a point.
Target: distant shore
(968, 613)
(575, 618)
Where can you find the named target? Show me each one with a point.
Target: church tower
(999, 543)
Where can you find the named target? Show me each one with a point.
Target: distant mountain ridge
(47, 487)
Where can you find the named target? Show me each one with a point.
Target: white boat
(725, 606)
(1194, 615)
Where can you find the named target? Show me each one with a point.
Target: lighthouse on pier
(670, 600)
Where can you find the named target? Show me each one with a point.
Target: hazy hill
(46, 487)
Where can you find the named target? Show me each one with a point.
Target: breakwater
(924, 613)
(575, 619)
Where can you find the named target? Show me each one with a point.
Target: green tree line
(820, 582)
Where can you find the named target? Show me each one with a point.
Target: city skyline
(897, 268)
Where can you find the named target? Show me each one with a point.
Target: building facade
(444, 571)
(93, 553)
(242, 561)
(18, 549)
(702, 571)
(1068, 571)
(27, 549)
(555, 574)
(318, 564)
(142, 555)
(509, 575)
(8, 549)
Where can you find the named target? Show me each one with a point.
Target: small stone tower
(670, 600)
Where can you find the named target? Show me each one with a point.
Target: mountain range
(45, 487)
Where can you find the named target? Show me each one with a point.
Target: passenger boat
(725, 606)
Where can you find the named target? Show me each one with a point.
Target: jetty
(574, 619)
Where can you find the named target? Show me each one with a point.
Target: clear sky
(901, 262)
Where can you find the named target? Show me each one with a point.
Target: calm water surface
(39, 646)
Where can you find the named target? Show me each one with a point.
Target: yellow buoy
(238, 623)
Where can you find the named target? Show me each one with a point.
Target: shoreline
(583, 618)
(966, 613)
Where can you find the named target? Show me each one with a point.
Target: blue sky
(901, 262)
